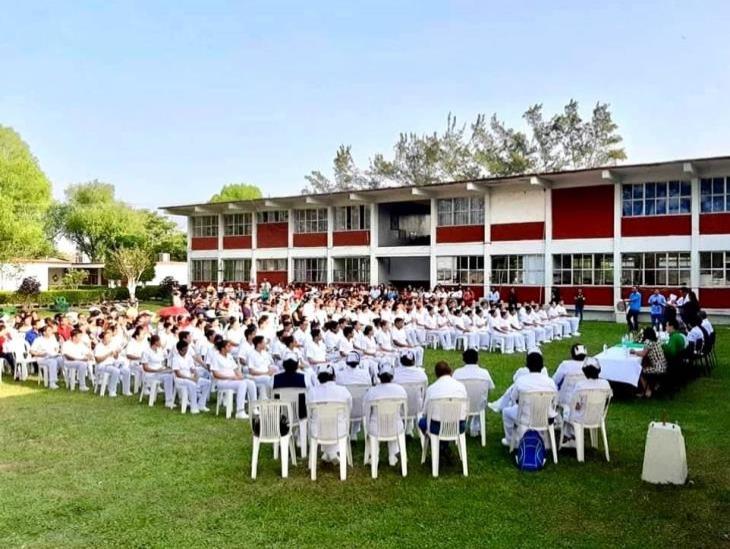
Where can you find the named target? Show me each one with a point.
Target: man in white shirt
(400, 341)
(471, 371)
(77, 356)
(328, 391)
(384, 390)
(569, 372)
(574, 408)
(45, 350)
(198, 388)
(352, 374)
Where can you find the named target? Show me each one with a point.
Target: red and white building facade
(659, 225)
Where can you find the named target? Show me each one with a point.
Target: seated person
(653, 363)
(153, 366)
(352, 373)
(77, 356)
(328, 391)
(571, 367)
(445, 386)
(675, 345)
(292, 378)
(184, 370)
(408, 372)
(472, 371)
(574, 412)
(384, 390)
(533, 381)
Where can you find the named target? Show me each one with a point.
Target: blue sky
(170, 100)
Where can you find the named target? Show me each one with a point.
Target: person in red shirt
(64, 328)
(468, 297)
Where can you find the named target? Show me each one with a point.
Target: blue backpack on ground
(530, 454)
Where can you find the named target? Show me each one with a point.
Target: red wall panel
(351, 238)
(460, 233)
(595, 295)
(532, 230)
(272, 235)
(236, 242)
(275, 277)
(714, 298)
(308, 240)
(204, 243)
(583, 212)
(656, 225)
(524, 293)
(715, 223)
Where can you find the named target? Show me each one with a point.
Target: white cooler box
(665, 457)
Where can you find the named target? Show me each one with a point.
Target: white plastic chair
(497, 341)
(224, 396)
(357, 392)
(101, 382)
(461, 342)
(588, 410)
(416, 393)
(567, 386)
(432, 339)
(291, 395)
(478, 392)
(181, 391)
(534, 414)
(389, 416)
(152, 386)
(269, 414)
(324, 418)
(23, 358)
(450, 414)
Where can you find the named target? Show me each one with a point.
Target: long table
(616, 366)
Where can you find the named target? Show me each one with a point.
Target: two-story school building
(658, 225)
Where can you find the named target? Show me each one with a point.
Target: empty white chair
(450, 412)
(416, 392)
(478, 392)
(23, 359)
(329, 424)
(298, 425)
(588, 410)
(266, 418)
(389, 414)
(534, 414)
(357, 391)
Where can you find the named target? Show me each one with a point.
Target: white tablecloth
(616, 366)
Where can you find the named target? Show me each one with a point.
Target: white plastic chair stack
(358, 393)
(449, 412)
(269, 414)
(588, 410)
(478, 392)
(329, 424)
(534, 414)
(416, 393)
(291, 395)
(389, 414)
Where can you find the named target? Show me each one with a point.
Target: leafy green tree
(165, 236)
(73, 278)
(25, 195)
(236, 191)
(129, 265)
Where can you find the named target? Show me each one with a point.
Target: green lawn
(78, 470)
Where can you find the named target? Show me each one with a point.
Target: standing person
(657, 303)
(46, 350)
(580, 303)
(512, 298)
(633, 308)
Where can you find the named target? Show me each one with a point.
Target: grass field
(79, 470)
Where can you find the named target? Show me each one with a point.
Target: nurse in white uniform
(198, 388)
(227, 375)
(46, 351)
(153, 364)
(384, 390)
(77, 357)
(107, 361)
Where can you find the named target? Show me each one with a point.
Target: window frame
(310, 221)
(583, 269)
(719, 262)
(469, 209)
(655, 198)
(344, 218)
(314, 270)
(656, 269)
(239, 265)
(238, 224)
(207, 230)
(197, 267)
(269, 217)
(710, 197)
(271, 265)
(352, 270)
(462, 270)
(510, 269)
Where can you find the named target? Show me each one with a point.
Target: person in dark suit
(291, 378)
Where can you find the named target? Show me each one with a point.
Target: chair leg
(434, 455)
(284, 456)
(303, 427)
(276, 450)
(366, 452)
(374, 456)
(464, 461)
(153, 393)
(229, 404)
(580, 446)
(343, 457)
(292, 451)
(403, 454)
(424, 446)
(483, 426)
(553, 445)
(313, 459)
(255, 457)
(605, 440)
(594, 438)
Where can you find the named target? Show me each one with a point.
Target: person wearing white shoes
(384, 390)
(46, 351)
(134, 351)
(77, 356)
(183, 367)
(261, 367)
(153, 365)
(328, 391)
(107, 360)
(228, 376)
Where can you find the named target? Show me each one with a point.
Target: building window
(312, 270)
(465, 269)
(518, 269)
(583, 269)
(270, 265)
(655, 269)
(352, 270)
(205, 225)
(236, 270)
(714, 269)
(660, 198)
(205, 270)
(275, 216)
(310, 221)
(352, 218)
(237, 224)
(715, 194)
(460, 211)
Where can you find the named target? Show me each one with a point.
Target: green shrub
(150, 292)
(85, 296)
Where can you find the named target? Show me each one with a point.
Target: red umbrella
(173, 311)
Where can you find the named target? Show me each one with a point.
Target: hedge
(73, 297)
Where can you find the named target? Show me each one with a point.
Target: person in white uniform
(591, 370)
(228, 376)
(471, 371)
(399, 338)
(134, 351)
(77, 356)
(153, 364)
(353, 374)
(531, 382)
(386, 389)
(326, 390)
(445, 386)
(261, 367)
(569, 369)
(107, 361)
(198, 388)
(46, 351)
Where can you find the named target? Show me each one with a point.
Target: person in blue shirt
(657, 303)
(633, 308)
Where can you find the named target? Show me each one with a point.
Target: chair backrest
(389, 414)
(415, 392)
(329, 421)
(357, 392)
(449, 413)
(290, 395)
(270, 413)
(534, 409)
(569, 382)
(590, 406)
(478, 391)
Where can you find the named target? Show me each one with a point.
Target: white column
(219, 261)
(190, 250)
(330, 226)
(373, 244)
(254, 236)
(548, 193)
(617, 214)
(487, 240)
(432, 247)
(694, 250)
(290, 245)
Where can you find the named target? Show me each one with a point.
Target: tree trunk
(132, 287)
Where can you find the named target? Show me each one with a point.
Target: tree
(29, 288)
(346, 175)
(25, 195)
(73, 278)
(236, 191)
(164, 236)
(128, 265)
